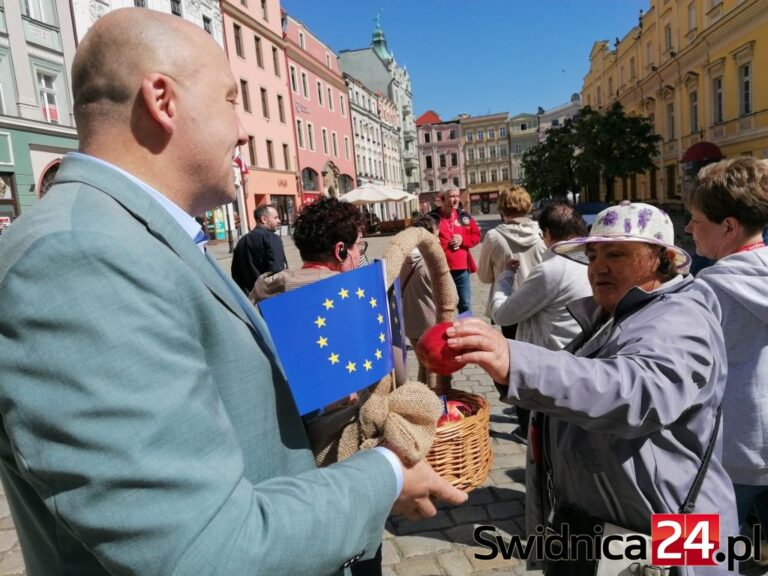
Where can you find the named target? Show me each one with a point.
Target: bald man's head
(119, 51)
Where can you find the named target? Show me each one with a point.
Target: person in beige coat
(419, 311)
(518, 237)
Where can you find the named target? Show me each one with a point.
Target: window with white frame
(670, 120)
(264, 13)
(320, 97)
(491, 133)
(176, 7)
(302, 42)
(470, 154)
(479, 135)
(472, 178)
(335, 144)
(494, 175)
(300, 133)
(35, 9)
(668, 37)
(311, 136)
(745, 89)
(346, 147)
(693, 110)
(503, 151)
(276, 60)
(517, 149)
(454, 159)
(483, 177)
(304, 85)
(325, 141)
(294, 81)
(468, 135)
(259, 55)
(280, 109)
(503, 132)
(481, 153)
(264, 103)
(505, 173)
(691, 16)
(717, 100)
(492, 151)
(341, 105)
(47, 85)
(330, 99)
(238, 34)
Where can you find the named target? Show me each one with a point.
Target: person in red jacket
(458, 233)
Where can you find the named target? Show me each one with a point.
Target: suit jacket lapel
(157, 220)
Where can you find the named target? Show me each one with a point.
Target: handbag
(579, 560)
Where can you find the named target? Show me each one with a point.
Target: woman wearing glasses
(328, 236)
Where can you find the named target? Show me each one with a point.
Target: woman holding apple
(633, 402)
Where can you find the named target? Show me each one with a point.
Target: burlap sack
(404, 417)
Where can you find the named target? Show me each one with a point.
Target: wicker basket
(461, 452)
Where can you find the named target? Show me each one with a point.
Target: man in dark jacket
(259, 251)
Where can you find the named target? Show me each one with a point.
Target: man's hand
(421, 486)
(455, 242)
(481, 344)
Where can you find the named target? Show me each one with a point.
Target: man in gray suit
(147, 427)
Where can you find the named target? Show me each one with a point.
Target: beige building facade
(486, 158)
(697, 69)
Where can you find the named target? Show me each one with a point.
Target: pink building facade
(440, 157)
(256, 50)
(321, 115)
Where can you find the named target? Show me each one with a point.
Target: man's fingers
(449, 493)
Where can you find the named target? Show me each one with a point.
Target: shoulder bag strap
(690, 501)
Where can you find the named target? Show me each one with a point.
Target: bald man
(147, 425)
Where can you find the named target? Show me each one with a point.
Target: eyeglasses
(362, 246)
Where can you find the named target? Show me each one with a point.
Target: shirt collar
(187, 222)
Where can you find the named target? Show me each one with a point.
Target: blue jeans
(748, 496)
(463, 287)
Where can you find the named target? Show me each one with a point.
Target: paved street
(442, 545)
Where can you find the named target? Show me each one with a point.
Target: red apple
(433, 351)
(456, 410)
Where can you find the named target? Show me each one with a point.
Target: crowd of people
(148, 427)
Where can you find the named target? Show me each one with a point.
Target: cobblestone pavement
(440, 546)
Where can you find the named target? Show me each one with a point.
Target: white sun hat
(627, 222)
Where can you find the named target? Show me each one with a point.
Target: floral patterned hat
(627, 222)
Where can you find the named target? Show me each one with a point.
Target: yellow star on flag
(372, 302)
(351, 367)
(368, 364)
(334, 358)
(328, 304)
(360, 293)
(320, 322)
(344, 293)
(381, 337)
(322, 341)
(378, 354)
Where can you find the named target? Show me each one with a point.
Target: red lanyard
(316, 265)
(749, 247)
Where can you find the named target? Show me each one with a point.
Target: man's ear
(158, 92)
(731, 224)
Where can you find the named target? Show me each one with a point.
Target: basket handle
(443, 291)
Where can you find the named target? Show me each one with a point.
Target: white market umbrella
(370, 193)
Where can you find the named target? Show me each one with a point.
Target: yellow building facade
(699, 70)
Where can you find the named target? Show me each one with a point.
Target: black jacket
(256, 253)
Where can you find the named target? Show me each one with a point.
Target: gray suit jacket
(147, 427)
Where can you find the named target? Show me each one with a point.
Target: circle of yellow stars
(322, 341)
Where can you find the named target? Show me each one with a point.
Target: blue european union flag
(333, 336)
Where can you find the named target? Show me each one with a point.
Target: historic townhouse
(377, 69)
(440, 152)
(697, 68)
(37, 44)
(321, 114)
(486, 159)
(256, 51)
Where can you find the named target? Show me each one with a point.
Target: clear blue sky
(478, 56)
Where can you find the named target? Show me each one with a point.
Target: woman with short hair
(632, 403)
(728, 203)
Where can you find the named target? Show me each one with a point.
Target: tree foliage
(594, 147)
